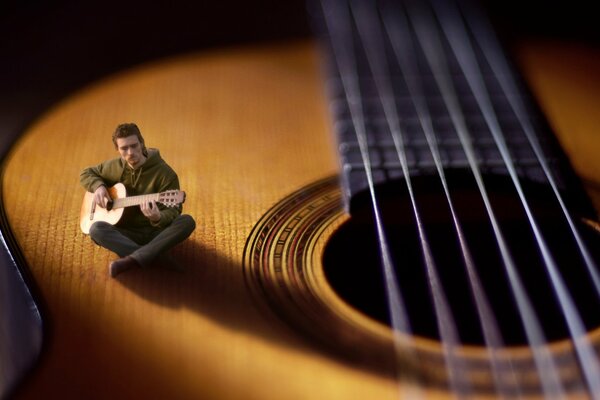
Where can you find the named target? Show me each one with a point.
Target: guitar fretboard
(135, 200)
(351, 77)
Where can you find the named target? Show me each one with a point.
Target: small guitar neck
(135, 200)
(112, 214)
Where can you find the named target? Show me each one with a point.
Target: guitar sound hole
(353, 268)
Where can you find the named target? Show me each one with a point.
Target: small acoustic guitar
(114, 210)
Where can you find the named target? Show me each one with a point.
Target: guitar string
(535, 337)
(399, 35)
(344, 59)
(372, 38)
(459, 41)
(490, 47)
(500, 67)
(134, 200)
(167, 199)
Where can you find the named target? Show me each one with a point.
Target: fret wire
(491, 50)
(344, 59)
(368, 28)
(535, 337)
(459, 41)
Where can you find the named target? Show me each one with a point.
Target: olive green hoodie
(153, 176)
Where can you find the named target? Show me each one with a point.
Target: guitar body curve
(245, 129)
(91, 213)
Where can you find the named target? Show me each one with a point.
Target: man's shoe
(122, 265)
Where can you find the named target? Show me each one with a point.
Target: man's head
(129, 143)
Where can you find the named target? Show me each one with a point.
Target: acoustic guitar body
(90, 213)
(248, 132)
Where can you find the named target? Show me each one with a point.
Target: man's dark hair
(126, 130)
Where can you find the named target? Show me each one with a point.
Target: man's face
(130, 149)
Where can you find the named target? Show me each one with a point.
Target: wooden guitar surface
(243, 128)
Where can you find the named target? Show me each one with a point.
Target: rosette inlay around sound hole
(285, 268)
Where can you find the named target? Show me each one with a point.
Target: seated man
(143, 233)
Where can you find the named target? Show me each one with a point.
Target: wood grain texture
(243, 128)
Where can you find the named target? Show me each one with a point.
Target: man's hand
(101, 196)
(151, 211)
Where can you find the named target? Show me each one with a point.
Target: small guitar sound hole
(353, 268)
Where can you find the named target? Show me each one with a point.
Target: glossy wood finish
(243, 128)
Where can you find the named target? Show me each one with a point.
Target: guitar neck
(135, 200)
(394, 83)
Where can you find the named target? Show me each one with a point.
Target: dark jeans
(144, 246)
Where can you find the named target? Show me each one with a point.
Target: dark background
(50, 48)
